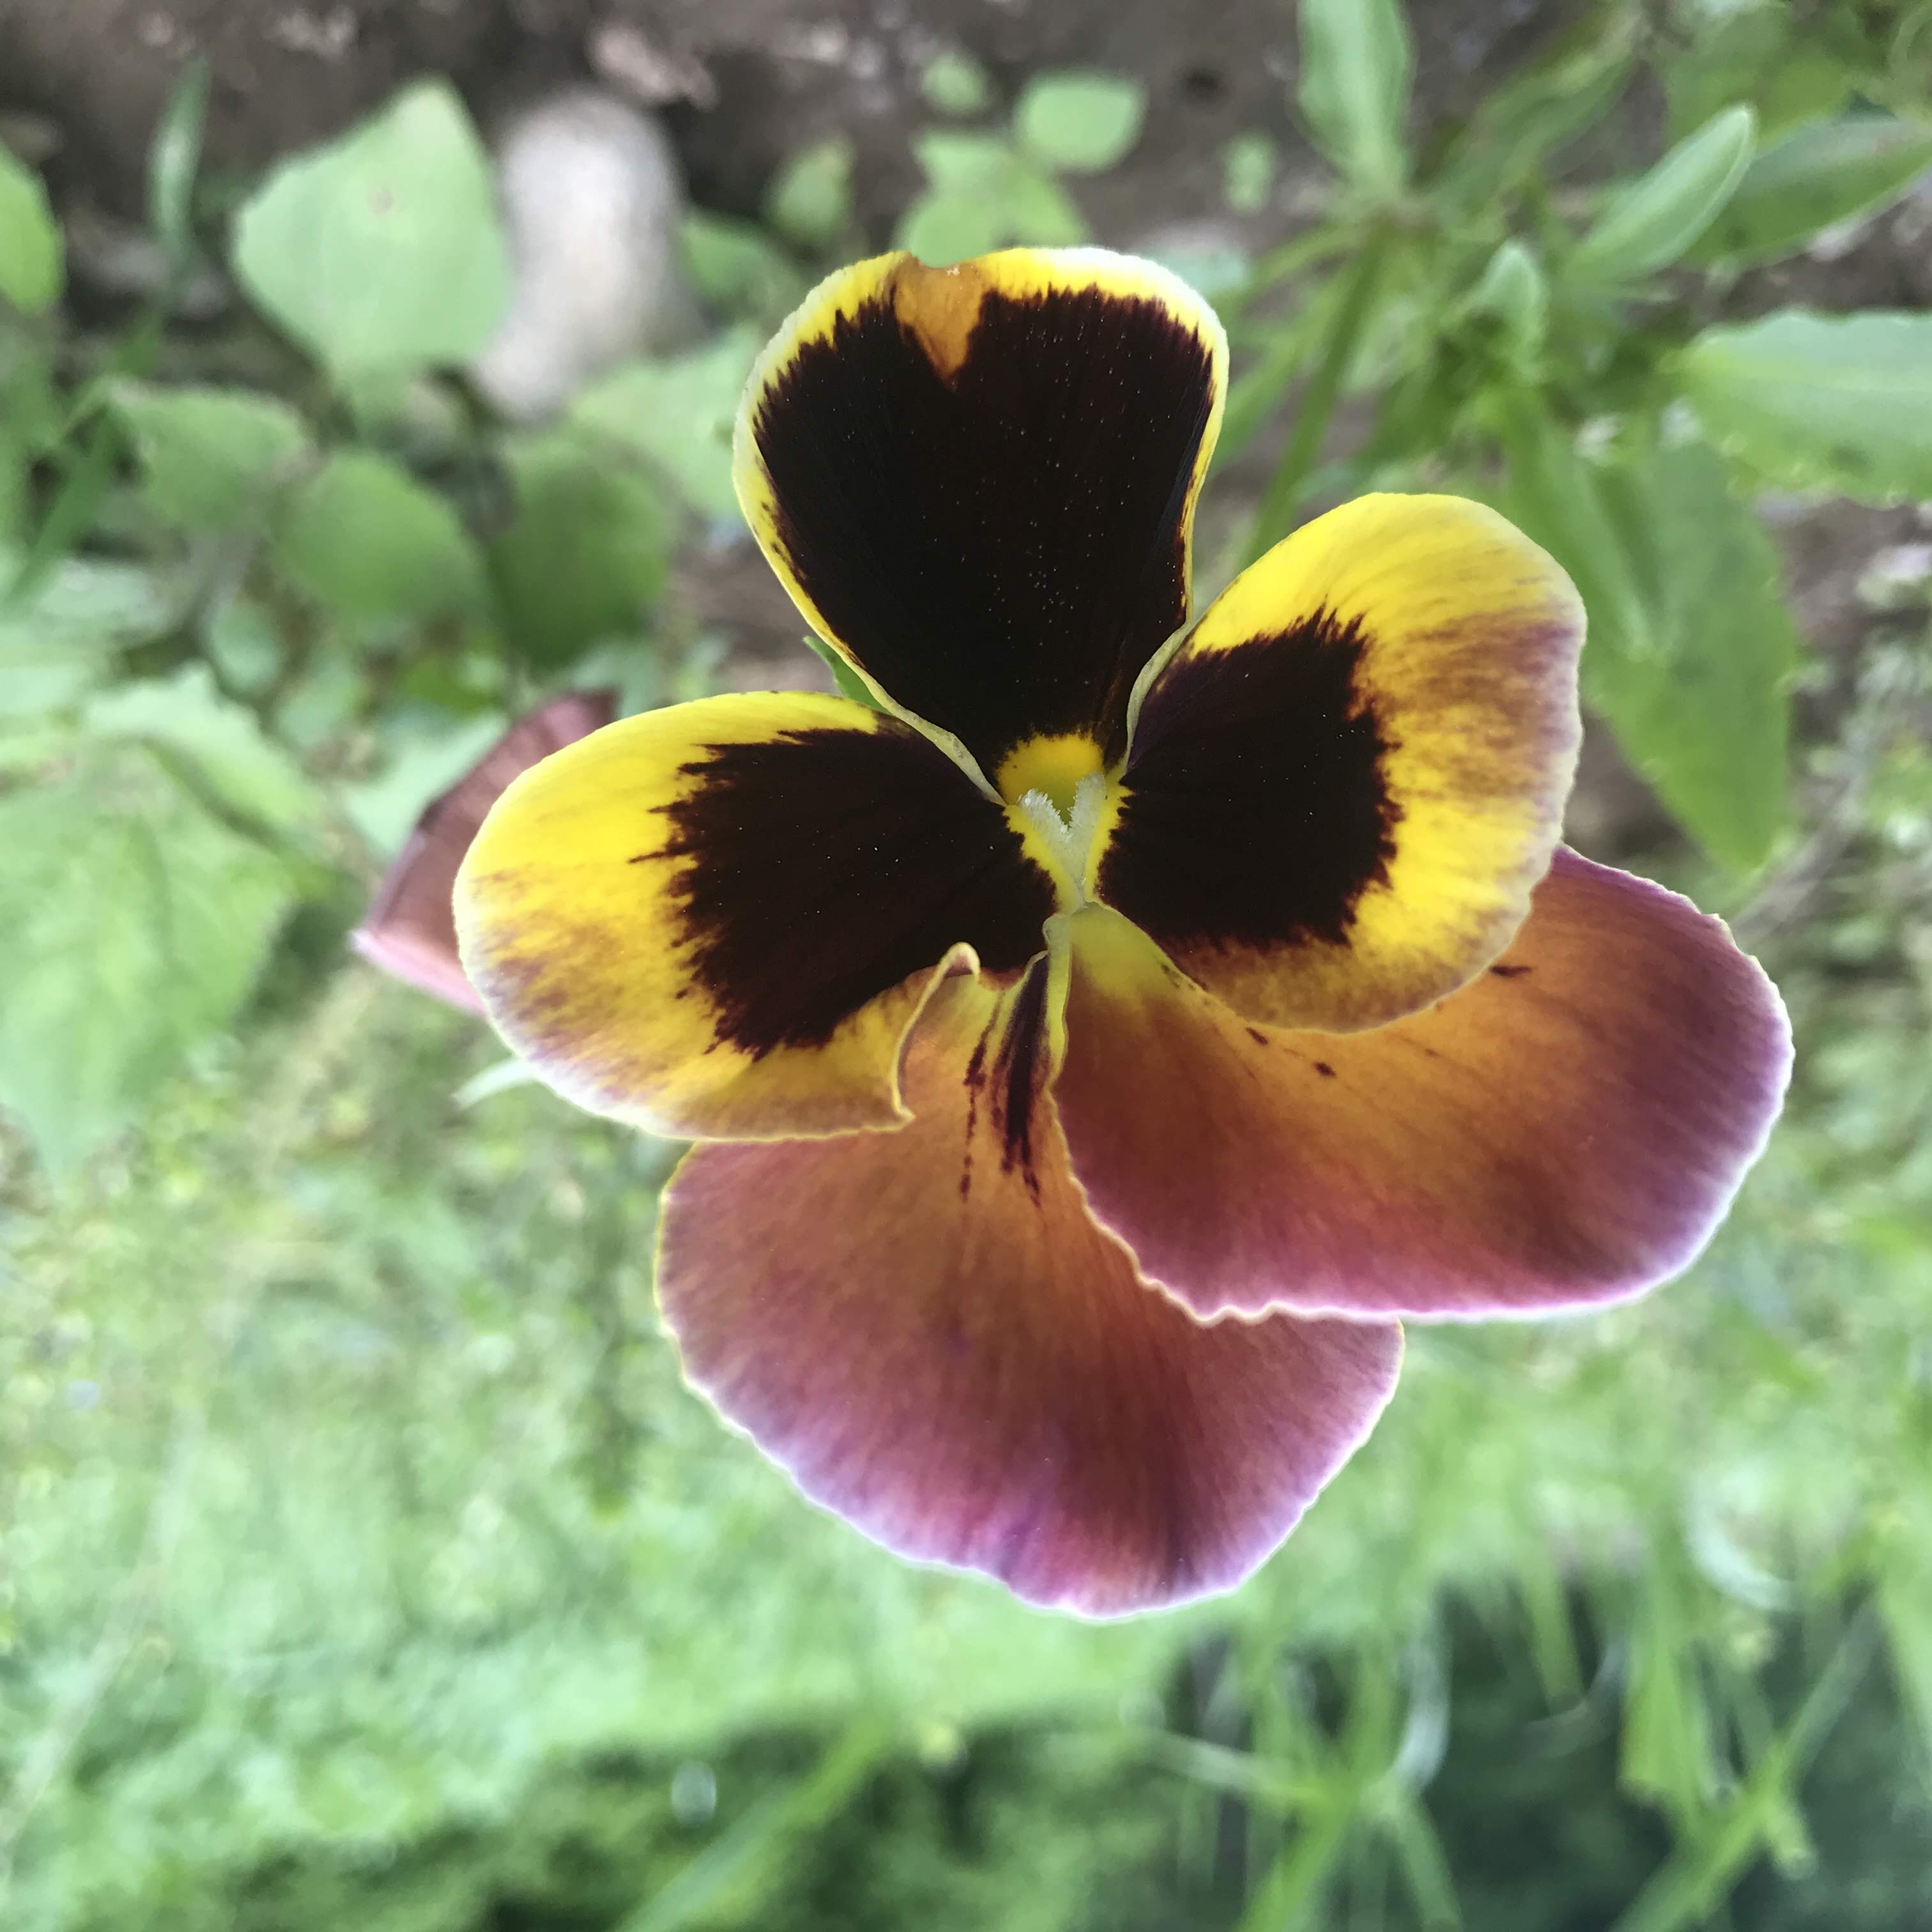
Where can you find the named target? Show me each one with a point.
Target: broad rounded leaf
(1845, 401)
(32, 271)
(226, 749)
(208, 456)
(1691, 648)
(83, 606)
(363, 537)
(1040, 213)
(1825, 171)
(1649, 224)
(1706, 717)
(810, 202)
(586, 555)
(963, 162)
(678, 411)
(133, 922)
(944, 226)
(736, 269)
(382, 252)
(955, 83)
(1083, 123)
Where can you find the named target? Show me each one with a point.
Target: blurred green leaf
(955, 83)
(424, 752)
(1249, 163)
(1667, 1749)
(679, 412)
(85, 607)
(1692, 1883)
(365, 539)
(1691, 650)
(243, 768)
(1263, 377)
(587, 554)
(964, 161)
(1512, 291)
(737, 270)
(1822, 173)
(1080, 123)
(87, 466)
(1763, 55)
(1844, 401)
(174, 159)
(132, 924)
(1423, 1862)
(1706, 718)
(382, 252)
(1648, 224)
(32, 259)
(730, 1877)
(984, 195)
(1039, 212)
(1344, 324)
(1535, 112)
(211, 458)
(944, 226)
(810, 202)
(1357, 62)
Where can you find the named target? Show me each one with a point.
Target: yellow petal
(1345, 782)
(719, 919)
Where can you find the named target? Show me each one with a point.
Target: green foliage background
(361, 1558)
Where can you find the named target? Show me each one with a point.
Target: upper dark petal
(978, 483)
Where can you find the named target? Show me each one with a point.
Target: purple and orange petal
(1568, 1130)
(928, 1332)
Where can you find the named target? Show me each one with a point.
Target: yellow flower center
(1060, 800)
(1056, 766)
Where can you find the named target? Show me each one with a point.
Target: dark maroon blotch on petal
(823, 868)
(1002, 547)
(1256, 810)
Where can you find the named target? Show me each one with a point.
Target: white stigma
(1069, 835)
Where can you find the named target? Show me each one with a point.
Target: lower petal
(927, 1330)
(1568, 1129)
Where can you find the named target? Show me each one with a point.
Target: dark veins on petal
(1000, 545)
(824, 868)
(1010, 1071)
(1256, 812)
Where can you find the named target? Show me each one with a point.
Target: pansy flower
(1097, 1047)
